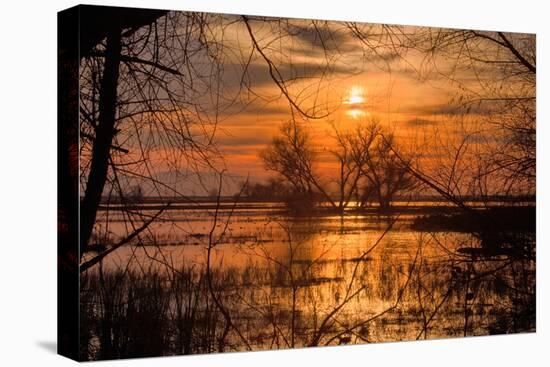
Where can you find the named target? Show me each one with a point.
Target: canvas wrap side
(67, 187)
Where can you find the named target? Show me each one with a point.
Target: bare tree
(367, 165)
(292, 155)
(384, 175)
(349, 171)
(494, 75)
(147, 96)
(505, 94)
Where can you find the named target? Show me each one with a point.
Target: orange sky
(351, 85)
(326, 70)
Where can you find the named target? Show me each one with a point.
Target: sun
(356, 96)
(356, 102)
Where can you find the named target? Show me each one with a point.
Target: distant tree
(291, 155)
(136, 194)
(349, 169)
(213, 194)
(367, 165)
(274, 189)
(381, 173)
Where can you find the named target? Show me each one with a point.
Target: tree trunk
(384, 202)
(105, 132)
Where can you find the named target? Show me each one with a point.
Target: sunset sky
(328, 71)
(329, 68)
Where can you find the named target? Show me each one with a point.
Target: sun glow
(356, 101)
(356, 96)
(356, 113)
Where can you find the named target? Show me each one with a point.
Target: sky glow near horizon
(339, 79)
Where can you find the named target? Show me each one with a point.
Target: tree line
(368, 171)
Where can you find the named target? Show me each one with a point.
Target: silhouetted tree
(495, 78)
(366, 164)
(383, 174)
(141, 91)
(291, 155)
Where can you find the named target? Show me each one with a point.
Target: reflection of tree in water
(307, 296)
(487, 294)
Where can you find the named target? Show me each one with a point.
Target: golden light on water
(356, 113)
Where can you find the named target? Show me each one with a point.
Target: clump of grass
(129, 314)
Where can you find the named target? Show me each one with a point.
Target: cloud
(252, 137)
(256, 92)
(448, 109)
(243, 110)
(322, 35)
(258, 74)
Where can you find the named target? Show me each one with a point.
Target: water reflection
(286, 282)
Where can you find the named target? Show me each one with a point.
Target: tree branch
(88, 264)
(517, 54)
(137, 60)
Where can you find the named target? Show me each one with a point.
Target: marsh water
(287, 281)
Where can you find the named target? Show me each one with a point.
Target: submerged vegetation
(432, 287)
(492, 219)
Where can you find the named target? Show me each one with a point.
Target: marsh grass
(128, 314)
(296, 302)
